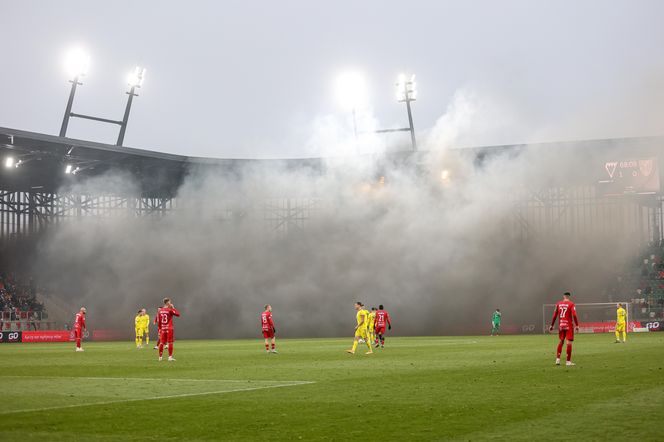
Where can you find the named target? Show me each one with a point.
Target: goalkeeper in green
(495, 322)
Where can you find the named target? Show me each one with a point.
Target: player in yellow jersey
(361, 328)
(621, 323)
(138, 324)
(371, 326)
(146, 326)
(142, 324)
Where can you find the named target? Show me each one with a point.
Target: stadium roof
(44, 159)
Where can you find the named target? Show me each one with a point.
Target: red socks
(569, 351)
(559, 350)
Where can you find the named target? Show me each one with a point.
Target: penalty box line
(172, 396)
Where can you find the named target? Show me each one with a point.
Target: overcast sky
(256, 79)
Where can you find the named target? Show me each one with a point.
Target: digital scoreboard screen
(630, 177)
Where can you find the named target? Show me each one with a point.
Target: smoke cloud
(440, 254)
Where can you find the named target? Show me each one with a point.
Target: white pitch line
(146, 379)
(174, 396)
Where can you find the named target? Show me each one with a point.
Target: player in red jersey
(165, 323)
(267, 324)
(382, 319)
(79, 327)
(566, 313)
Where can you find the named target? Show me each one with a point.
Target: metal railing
(26, 320)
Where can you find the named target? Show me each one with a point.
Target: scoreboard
(638, 176)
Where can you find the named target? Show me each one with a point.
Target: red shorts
(166, 336)
(566, 334)
(78, 333)
(267, 334)
(380, 330)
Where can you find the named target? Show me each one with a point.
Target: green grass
(451, 388)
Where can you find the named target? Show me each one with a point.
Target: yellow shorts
(361, 333)
(139, 332)
(620, 326)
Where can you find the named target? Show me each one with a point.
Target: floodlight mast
(407, 92)
(78, 65)
(135, 81)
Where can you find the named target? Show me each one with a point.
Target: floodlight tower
(77, 63)
(135, 81)
(407, 92)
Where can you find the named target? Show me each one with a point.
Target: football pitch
(429, 388)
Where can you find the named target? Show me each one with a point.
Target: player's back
(381, 318)
(566, 310)
(165, 317)
(266, 320)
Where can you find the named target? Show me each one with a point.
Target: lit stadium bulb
(68, 169)
(9, 162)
(351, 90)
(77, 63)
(445, 175)
(406, 88)
(136, 77)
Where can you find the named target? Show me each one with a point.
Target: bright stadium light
(351, 90)
(136, 77)
(9, 162)
(77, 62)
(68, 168)
(444, 175)
(406, 88)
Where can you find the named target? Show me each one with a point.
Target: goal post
(594, 317)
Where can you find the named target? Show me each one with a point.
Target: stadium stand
(643, 282)
(20, 305)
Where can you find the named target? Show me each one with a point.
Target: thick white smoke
(440, 254)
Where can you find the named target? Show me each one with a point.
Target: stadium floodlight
(9, 162)
(351, 90)
(135, 80)
(136, 77)
(68, 169)
(77, 62)
(444, 175)
(406, 88)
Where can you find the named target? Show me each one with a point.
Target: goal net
(599, 317)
